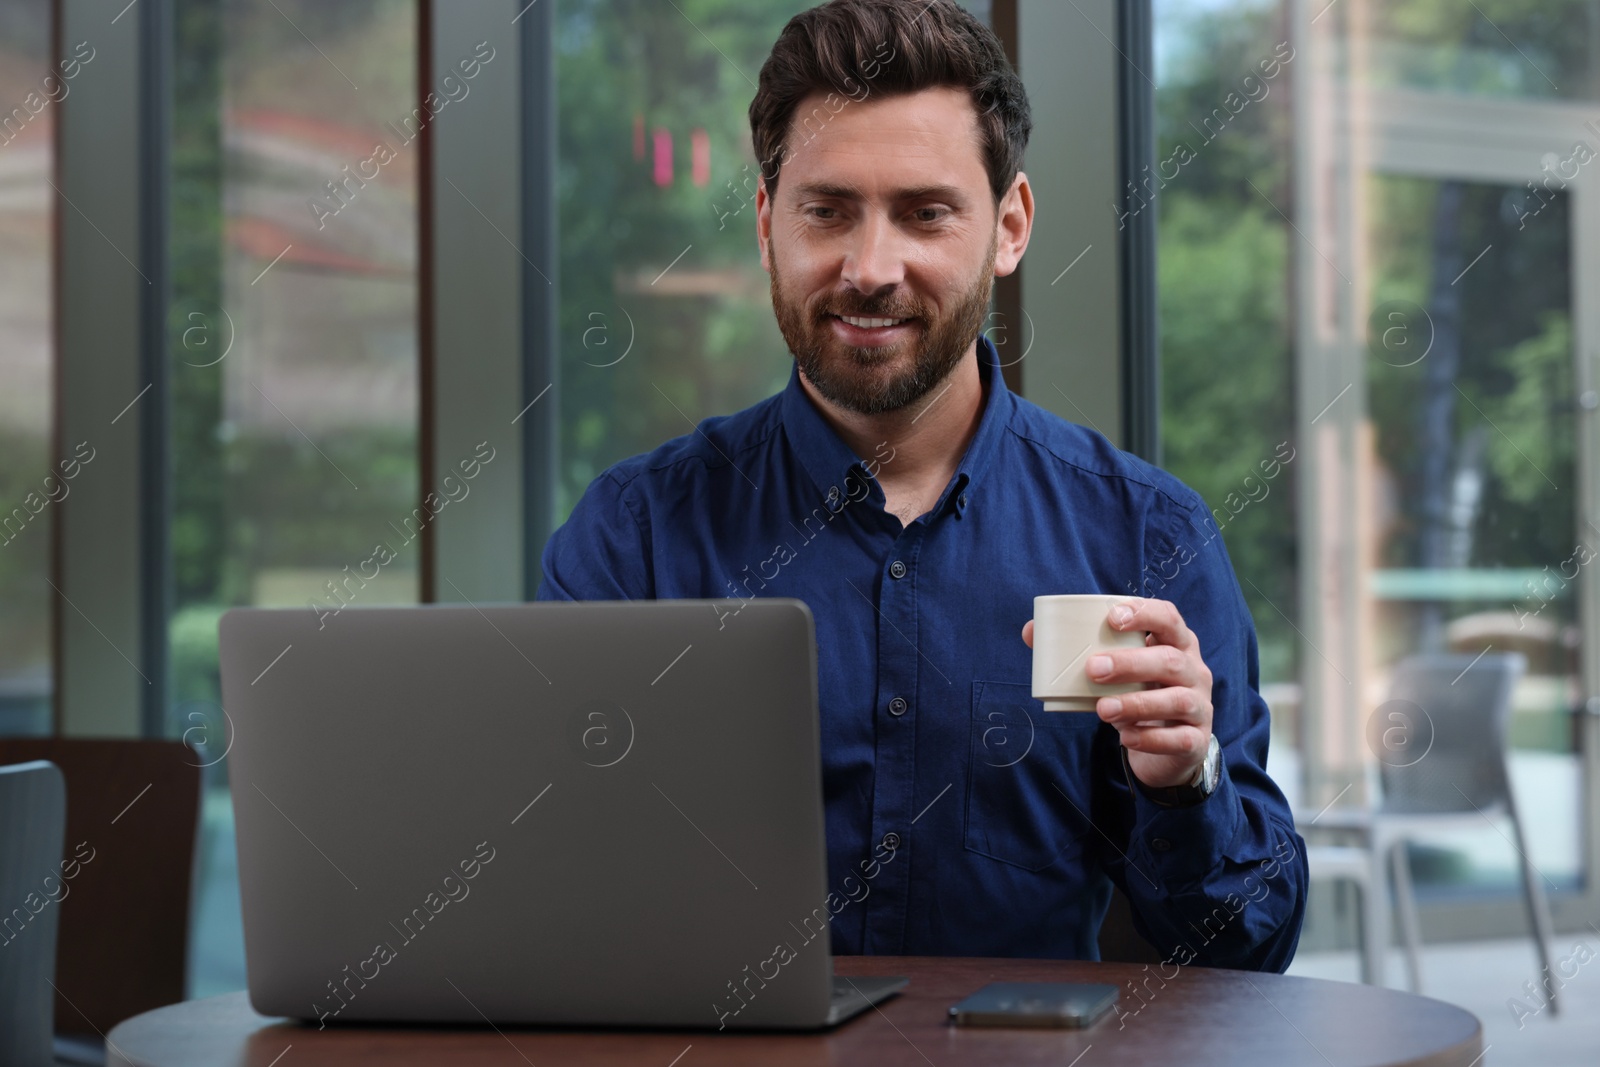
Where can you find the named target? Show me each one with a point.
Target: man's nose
(875, 261)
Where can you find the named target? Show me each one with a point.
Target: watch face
(1212, 769)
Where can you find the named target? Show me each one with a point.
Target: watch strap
(1179, 796)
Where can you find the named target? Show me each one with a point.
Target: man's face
(885, 215)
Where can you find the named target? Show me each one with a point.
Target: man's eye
(824, 213)
(930, 214)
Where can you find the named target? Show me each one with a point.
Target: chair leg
(1375, 919)
(1406, 906)
(1538, 912)
(1371, 949)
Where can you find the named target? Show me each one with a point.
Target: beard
(872, 381)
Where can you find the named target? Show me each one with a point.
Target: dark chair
(133, 807)
(33, 814)
(1119, 941)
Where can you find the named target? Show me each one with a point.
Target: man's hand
(1166, 727)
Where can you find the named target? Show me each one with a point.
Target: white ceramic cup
(1067, 631)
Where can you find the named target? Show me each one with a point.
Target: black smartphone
(1060, 1004)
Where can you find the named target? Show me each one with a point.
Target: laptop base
(852, 996)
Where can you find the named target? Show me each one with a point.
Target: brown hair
(857, 48)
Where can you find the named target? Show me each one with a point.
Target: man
(917, 506)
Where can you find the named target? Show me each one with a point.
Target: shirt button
(897, 706)
(961, 501)
(891, 841)
(1161, 844)
(897, 569)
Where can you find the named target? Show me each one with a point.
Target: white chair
(1461, 780)
(1348, 863)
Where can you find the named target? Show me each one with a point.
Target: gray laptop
(573, 814)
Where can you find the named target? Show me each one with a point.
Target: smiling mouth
(864, 323)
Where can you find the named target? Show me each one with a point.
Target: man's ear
(764, 225)
(1014, 225)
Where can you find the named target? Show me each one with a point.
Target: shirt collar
(827, 459)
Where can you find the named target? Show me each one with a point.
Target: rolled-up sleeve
(1223, 882)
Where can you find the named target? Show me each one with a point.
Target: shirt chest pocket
(1025, 804)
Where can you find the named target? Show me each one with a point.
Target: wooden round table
(1198, 1017)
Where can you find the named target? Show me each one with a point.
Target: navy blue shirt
(1006, 821)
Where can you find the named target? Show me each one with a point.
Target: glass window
(1227, 416)
(1387, 241)
(665, 313)
(1475, 532)
(1505, 48)
(31, 481)
(665, 317)
(293, 349)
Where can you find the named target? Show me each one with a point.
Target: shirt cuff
(1184, 845)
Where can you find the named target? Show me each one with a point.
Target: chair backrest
(124, 937)
(1455, 755)
(33, 818)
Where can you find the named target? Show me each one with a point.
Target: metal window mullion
(109, 557)
(471, 286)
(1141, 366)
(540, 290)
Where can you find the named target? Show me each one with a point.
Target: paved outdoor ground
(1482, 976)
